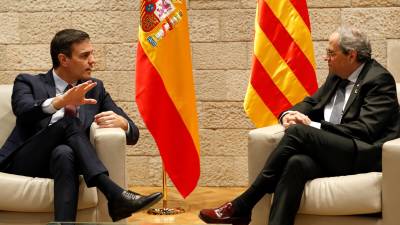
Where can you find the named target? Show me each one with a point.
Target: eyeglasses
(330, 53)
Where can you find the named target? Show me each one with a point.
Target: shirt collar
(60, 83)
(354, 76)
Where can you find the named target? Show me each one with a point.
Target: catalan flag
(283, 70)
(164, 89)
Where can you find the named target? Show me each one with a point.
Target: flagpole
(165, 190)
(165, 210)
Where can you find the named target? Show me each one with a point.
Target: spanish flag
(164, 89)
(283, 70)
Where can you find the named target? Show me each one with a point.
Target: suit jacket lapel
(353, 95)
(49, 84)
(82, 114)
(356, 89)
(83, 111)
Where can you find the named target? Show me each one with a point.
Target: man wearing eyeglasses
(339, 130)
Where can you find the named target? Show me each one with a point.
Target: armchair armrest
(390, 181)
(110, 147)
(261, 143)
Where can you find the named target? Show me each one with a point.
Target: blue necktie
(337, 110)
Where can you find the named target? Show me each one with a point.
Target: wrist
(125, 125)
(58, 102)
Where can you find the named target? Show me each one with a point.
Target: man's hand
(111, 119)
(75, 96)
(295, 117)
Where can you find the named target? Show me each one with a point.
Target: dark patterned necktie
(337, 110)
(70, 110)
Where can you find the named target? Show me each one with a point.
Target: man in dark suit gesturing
(337, 131)
(54, 112)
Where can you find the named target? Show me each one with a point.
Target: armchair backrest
(7, 117)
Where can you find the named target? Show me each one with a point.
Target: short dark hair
(63, 41)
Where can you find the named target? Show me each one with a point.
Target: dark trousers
(303, 153)
(62, 151)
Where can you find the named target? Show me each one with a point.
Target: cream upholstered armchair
(27, 200)
(361, 199)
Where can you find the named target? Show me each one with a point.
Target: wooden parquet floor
(202, 197)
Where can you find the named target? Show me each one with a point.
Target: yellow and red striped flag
(283, 70)
(165, 91)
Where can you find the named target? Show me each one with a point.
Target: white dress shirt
(47, 105)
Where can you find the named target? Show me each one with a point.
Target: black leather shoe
(223, 215)
(130, 202)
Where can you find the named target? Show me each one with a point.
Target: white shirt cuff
(283, 114)
(48, 107)
(315, 124)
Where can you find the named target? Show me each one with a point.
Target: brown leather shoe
(224, 215)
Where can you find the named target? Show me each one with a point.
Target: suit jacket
(370, 117)
(29, 92)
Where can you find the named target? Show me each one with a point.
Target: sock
(109, 188)
(245, 202)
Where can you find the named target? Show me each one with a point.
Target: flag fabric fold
(165, 93)
(283, 69)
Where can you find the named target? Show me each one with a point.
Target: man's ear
(353, 55)
(64, 60)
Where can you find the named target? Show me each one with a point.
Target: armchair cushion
(31, 194)
(343, 195)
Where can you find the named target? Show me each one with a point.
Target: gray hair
(353, 39)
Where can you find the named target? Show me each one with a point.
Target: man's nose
(91, 59)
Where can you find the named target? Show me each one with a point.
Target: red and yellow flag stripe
(165, 91)
(283, 70)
